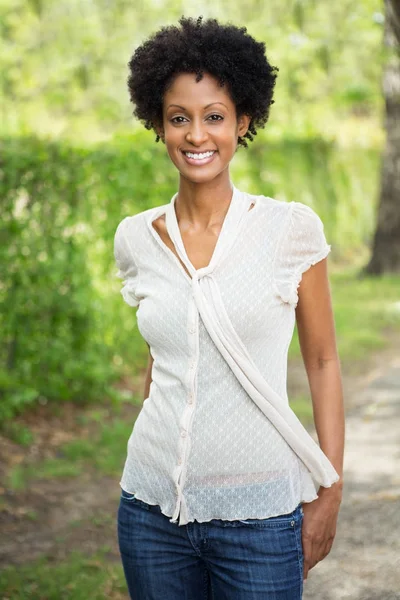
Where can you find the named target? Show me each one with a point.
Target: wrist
(336, 489)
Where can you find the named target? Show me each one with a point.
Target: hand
(319, 526)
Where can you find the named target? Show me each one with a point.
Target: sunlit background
(74, 162)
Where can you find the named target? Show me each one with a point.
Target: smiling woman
(225, 494)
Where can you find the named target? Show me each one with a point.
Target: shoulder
(304, 215)
(269, 202)
(302, 244)
(294, 218)
(275, 212)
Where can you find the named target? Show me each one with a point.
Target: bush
(61, 313)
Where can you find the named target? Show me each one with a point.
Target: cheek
(173, 139)
(173, 153)
(171, 143)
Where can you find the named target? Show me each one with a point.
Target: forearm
(328, 406)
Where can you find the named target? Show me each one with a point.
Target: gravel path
(364, 562)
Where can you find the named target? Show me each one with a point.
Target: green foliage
(64, 62)
(51, 349)
(60, 321)
(65, 332)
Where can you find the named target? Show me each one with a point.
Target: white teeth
(199, 156)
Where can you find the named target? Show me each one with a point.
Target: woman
(224, 494)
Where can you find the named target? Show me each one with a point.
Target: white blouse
(216, 437)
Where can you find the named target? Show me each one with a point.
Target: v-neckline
(237, 209)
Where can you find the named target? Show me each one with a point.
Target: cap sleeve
(125, 261)
(302, 245)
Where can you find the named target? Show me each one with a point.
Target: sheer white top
(216, 437)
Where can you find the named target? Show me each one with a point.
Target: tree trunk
(386, 245)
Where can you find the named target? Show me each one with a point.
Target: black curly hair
(227, 52)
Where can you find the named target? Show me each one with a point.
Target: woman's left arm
(317, 338)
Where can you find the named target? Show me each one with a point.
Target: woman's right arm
(148, 375)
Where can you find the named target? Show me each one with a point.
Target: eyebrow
(208, 105)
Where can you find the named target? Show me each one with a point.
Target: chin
(199, 177)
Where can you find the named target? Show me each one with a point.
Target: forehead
(186, 91)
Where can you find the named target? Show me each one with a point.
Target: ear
(243, 124)
(160, 131)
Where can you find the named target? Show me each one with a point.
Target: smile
(199, 158)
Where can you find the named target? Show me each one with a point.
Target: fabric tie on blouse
(209, 303)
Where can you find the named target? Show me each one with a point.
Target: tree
(386, 244)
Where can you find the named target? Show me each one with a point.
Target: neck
(203, 204)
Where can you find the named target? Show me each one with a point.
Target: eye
(178, 122)
(173, 120)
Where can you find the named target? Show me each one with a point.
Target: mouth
(199, 158)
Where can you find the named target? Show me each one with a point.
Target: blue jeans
(252, 559)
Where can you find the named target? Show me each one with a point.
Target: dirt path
(364, 563)
(54, 517)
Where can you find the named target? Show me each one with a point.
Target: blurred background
(74, 162)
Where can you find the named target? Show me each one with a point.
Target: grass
(21, 476)
(104, 453)
(302, 406)
(363, 310)
(18, 433)
(78, 578)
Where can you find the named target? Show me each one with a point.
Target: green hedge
(63, 323)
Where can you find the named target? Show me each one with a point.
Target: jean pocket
(127, 496)
(131, 499)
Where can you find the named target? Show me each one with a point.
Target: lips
(199, 161)
(198, 151)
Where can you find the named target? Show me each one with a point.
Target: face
(200, 117)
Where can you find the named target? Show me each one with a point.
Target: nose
(197, 132)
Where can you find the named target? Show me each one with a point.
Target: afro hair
(226, 52)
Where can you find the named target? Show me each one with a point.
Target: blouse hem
(304, 499)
